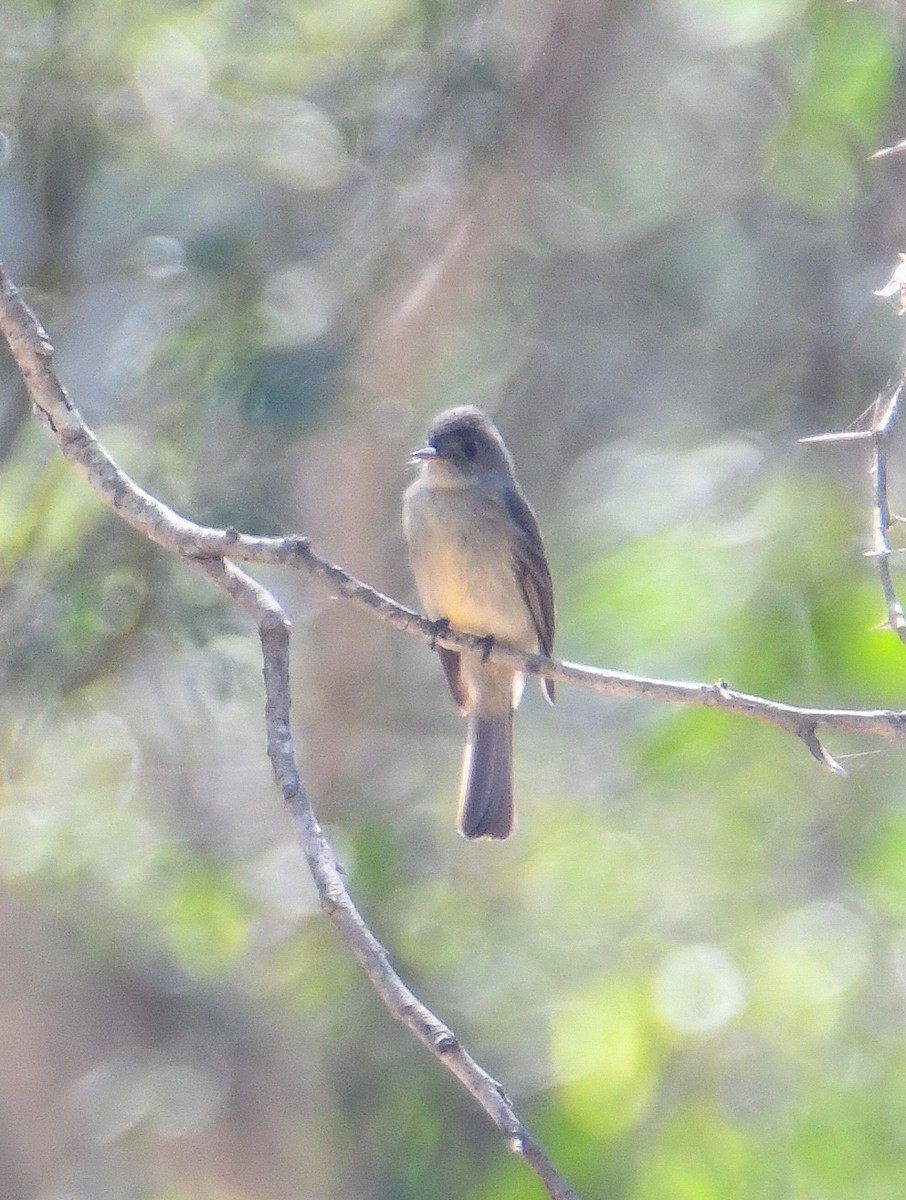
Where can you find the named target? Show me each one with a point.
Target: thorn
(818, 753)
(896, 285)
(886, 150)
(845, 435)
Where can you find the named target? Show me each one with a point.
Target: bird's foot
(438, 628)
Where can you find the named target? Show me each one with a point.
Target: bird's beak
(423, 454)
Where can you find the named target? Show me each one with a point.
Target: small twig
(882, 414)
(205, 549)
(881, 518)
(884, 417)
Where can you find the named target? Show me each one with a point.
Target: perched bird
(479, 564)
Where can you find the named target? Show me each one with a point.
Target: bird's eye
(469, 448)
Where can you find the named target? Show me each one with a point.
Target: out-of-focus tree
(269, 241)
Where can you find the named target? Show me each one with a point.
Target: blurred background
(270, 239)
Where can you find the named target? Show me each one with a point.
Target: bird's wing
(534, 577)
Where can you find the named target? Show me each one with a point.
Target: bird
(479, 565)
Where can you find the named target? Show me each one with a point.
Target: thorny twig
(881, 416)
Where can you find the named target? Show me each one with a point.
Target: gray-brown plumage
(479, 563)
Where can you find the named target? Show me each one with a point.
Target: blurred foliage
(269, 238)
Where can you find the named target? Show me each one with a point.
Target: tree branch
(885, 411)
(206, 549)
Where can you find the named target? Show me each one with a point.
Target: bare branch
(205, 549)
(881, 518)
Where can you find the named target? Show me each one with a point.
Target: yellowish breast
(463, 564)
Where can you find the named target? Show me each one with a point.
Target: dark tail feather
(486, 800)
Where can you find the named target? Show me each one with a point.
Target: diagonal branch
(205, 549)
